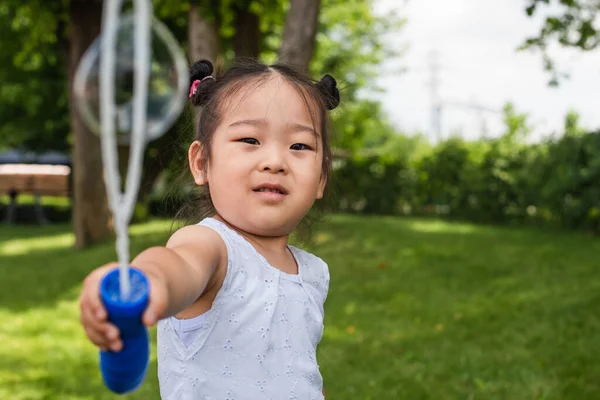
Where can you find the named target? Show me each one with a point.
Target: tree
(90, 208)
(203, 35)
(33, 99)
(350, 46)
(576, 26)
(43, 42)
(300, 33)
(247, 39)
(203, 38)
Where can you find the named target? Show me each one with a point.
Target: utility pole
(479, 109)
(438, 104)
(436, 101)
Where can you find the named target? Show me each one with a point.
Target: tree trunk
(203, 36)
(91, 216)
(246, 43)
(203, 39)
(299, 34)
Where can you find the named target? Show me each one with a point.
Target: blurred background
(462, 229)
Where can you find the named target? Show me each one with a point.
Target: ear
(195, 154)
(322, 184)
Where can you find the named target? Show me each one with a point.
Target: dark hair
(211, 95)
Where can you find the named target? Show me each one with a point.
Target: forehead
(273, 98)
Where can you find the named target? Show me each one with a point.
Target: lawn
(417, 309)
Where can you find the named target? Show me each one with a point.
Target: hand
(94, 317)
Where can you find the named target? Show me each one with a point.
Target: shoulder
(208, 235)
(314, 270)
(196, 243)
(201, 245)
(311, 262)
(197, 235)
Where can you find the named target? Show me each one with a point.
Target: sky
(476, 42)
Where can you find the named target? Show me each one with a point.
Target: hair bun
(199, 71)
(328, 87)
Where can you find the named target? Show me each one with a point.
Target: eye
(249, 141)
(300, 146)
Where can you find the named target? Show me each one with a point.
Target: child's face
(266, 139)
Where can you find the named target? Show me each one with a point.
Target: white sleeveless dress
(259, 339)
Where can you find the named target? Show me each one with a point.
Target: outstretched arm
(178, 274)
(186, 265)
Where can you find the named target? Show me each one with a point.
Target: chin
(270, 227)
(262, 224)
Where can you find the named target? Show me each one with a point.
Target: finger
(113, 336)
(106, 337)
(116, 345)
(111, 332)
(93, 314)
(90, 320)
(88, 313)
(90, 296)
(104, 334)
(96, 337)
(99, 339)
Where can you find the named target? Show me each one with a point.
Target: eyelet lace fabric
(259, 339)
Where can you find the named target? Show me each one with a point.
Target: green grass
(417, 309)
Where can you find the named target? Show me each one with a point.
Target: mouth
(271, 188)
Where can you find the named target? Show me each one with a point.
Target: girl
(239, 310)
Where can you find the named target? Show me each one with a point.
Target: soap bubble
(167, 85)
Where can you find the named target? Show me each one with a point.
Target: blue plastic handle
(125, 371)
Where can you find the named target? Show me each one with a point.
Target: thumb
(157, 306)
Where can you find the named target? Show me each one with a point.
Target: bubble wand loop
(122, 204)
(125, 290)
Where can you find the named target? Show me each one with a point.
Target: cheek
(226, 167)
(310, 172)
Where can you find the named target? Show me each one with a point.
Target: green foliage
(576, 26)
(573, 189)
(34, 39)
(351, 43)
(351, 46)
(503, 180)
(174, 14)
(364, 184)
(360, 124)
(33, 96)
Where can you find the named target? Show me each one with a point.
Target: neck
(268, 244)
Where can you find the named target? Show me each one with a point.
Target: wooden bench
(34, 179)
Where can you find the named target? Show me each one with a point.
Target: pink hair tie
(196, 83)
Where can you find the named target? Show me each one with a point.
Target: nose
(273, 160)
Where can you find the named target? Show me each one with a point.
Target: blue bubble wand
(120, 58)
